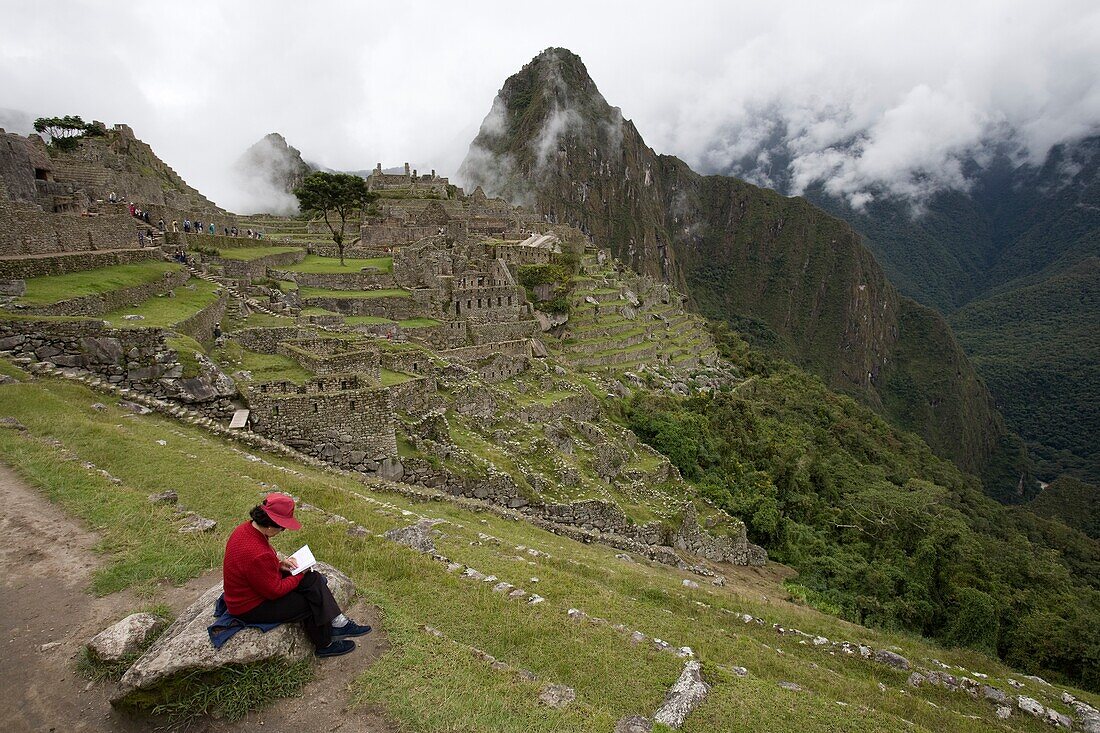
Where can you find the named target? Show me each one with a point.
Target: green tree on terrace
(334, 196)
(65, 131)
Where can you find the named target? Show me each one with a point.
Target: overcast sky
(917, 84)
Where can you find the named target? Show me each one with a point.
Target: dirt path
(46, 614)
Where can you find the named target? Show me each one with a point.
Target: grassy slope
(330, 265)
(165, 311)
(432, 684)
(253, 253)
(53, 288)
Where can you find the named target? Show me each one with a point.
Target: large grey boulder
(687, 694)
(125, 638)
(419, 536)
(1087, 716)
(883, 656)
(185, 647)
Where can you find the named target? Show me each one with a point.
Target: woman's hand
(288, 564)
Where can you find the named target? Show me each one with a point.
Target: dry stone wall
(415, 396)
(409, 361)
(331, 356)
(352, 429)
(447, 335)
(469, 353)
(395, 308)
(267, 340)
(486, 333)
(27, 230)
(135, 358)
(381, 235)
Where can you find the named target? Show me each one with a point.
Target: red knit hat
(280, 508)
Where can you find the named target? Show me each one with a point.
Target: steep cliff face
(799, 279)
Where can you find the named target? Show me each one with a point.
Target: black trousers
(311, 603)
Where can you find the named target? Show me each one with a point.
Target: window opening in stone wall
(352, 404)
(314, 408)
(275, 410)
(41, 174)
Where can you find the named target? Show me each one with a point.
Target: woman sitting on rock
(259, 588)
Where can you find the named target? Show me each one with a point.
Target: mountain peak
(543, 115)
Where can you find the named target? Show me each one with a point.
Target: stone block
(125, 637)
(185, 648)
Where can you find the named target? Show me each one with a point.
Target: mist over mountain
(778, 269)
(267, 174)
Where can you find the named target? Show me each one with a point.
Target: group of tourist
(196, 227)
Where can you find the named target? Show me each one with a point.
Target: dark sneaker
(337, 648)
(349, 629)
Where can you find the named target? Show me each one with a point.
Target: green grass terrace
(165, 312)
(253, 253)
(331, 265)
(51, 289)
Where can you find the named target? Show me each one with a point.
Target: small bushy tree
(334, 196)
(65, 131)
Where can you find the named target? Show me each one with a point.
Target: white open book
(305, 559)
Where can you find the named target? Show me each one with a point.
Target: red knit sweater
(251, 572)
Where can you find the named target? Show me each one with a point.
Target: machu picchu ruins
(465, 346)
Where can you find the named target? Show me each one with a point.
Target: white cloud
(868, 94)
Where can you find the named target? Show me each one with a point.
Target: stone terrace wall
(485, 333)
(135, 357)
(384, 234)
(359, 360)
(466, 353)
(201, 325)
(581, 406)
(101, 303)
(447, 335)
(27, 230)
(218, 241)
(267, 340)
(416, 396)
(352, 429)
(410, 361)
(61, 264)
(501, 367)
(396, 308)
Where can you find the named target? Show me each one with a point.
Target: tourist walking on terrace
(260, 589)
(175, 227)
(212, 229)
